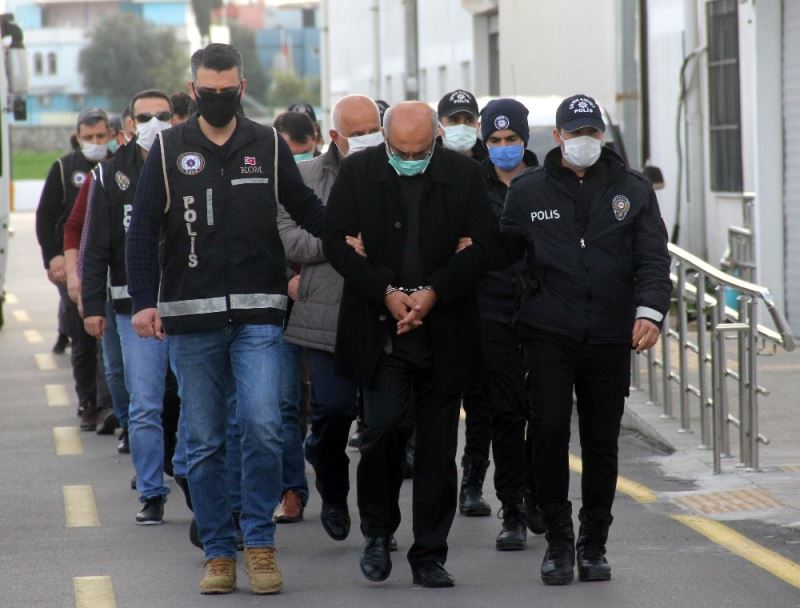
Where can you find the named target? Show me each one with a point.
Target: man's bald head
(410, 127)
(353, 116)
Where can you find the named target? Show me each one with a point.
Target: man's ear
(244, 86)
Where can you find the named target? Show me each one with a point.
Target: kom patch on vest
(621, 205)
(191, 163)
(123, 181)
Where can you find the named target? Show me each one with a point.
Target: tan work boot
(219, 576)
(290, 509)
(261, 565)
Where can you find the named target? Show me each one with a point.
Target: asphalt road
(657, 562)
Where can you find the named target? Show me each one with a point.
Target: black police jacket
(596, 269)
(109, 213)
(498, 289)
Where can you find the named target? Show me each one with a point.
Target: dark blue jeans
(334, 406)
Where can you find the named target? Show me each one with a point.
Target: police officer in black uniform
(598, 272)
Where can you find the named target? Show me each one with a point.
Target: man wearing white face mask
(317, 292)
(145, 359)
(55, 204)
(458, 113)
(598, 285)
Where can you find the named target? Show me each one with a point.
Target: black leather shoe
(592, 564)
(376, 564)
(335, 520)
(124, 444)
(152, 512)
(470, 498)
(558, 565)
(513, 536)
(106, 422)
(61, 344)
(535, 519)
(432, 574)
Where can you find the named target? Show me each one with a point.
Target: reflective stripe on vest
(200, 306)
(119, 292)
(258, 300)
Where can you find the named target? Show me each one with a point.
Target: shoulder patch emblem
(78, 178)
(123, 181)
(621, 205)
(191, 163)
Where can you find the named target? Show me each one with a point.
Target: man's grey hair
(387, 122)
(336, 112)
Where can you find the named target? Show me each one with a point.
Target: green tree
(257, 79)
(127, 54)
(288, 88)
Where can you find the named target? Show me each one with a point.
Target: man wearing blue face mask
(407, 322)
(495, 402)
(458, 113)
(598, 270)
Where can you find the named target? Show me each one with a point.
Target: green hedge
(27, 164)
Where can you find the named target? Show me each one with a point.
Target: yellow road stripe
(11, 299)
(33, 336)
(94, 592)
(57, 395)
(79, 507)
(45, 361)
(21, 316)
(67, 440)
(777, 565)
(635, 490)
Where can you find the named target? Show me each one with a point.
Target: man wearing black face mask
(211, 186)
(599, 285)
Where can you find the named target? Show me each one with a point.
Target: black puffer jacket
(600, 249)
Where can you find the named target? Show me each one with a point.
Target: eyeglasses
(227, 93)
(146, 116)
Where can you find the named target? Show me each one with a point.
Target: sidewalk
(771, 495)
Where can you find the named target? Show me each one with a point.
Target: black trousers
(404, 396)
(478, 421)
(334, 405)
(599, 374)
(86, 357)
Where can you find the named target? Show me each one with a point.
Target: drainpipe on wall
(695, 164)
(627, 97)
(412, 51)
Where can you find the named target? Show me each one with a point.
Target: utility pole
(628, 97)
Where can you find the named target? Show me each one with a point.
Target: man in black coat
(408, 321)
(598, 270)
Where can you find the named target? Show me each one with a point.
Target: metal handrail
(784, 334)
(716, 325)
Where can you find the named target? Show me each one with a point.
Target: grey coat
(315, 314)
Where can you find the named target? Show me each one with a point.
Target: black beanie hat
(505, 113)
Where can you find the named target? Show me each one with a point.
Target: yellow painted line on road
(79, 507)
(45, 361)
(21, 316)
(68, 441)
(11, 299)
(57, 395)
(94, 592)
(635, 490)
(33, 336)
(720, 534)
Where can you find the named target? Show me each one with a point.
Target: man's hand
(95, 326)
(357, 243)
(73, 286)
(645, 335)
(147, 324)
(423, 300)
(401, 306)
(294, 285)
(463, 243)
(56, 271)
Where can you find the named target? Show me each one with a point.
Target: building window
(52, 63)
(722, 23)
(38, 64)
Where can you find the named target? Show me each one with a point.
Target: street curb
(632, 421)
